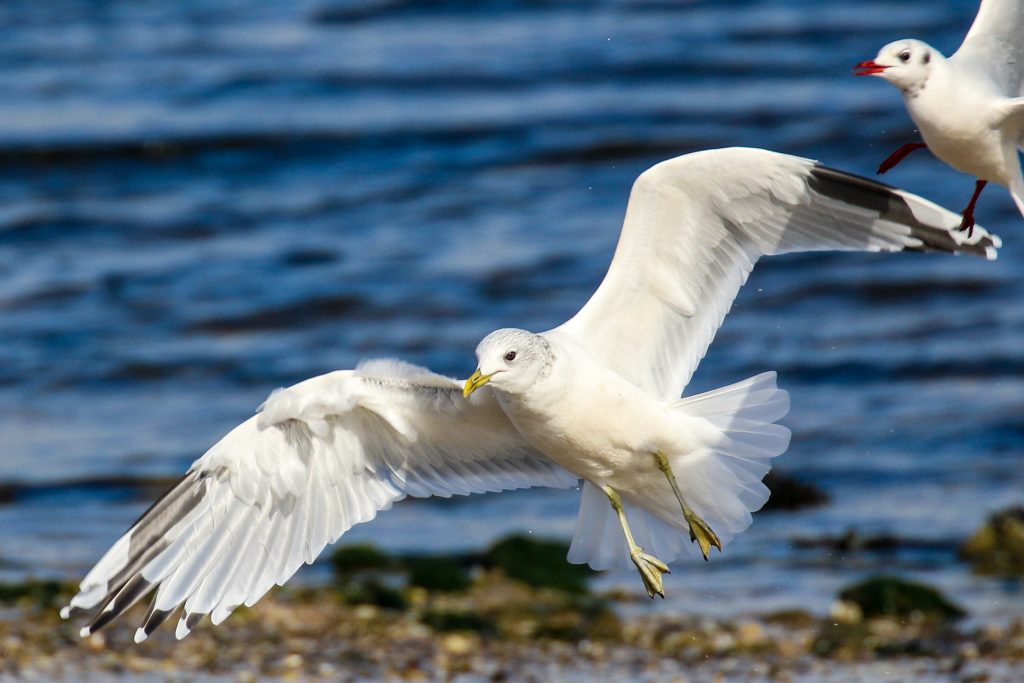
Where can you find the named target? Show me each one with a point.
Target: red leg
(899, 155)
(968, 220)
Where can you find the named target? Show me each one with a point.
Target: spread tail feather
(721, 481)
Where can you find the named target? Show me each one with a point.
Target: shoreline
(500, 629)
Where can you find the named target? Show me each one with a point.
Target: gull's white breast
(956, 114)
(599, 426)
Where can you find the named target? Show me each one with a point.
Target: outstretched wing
(320, 457)
(995, 44)
(694, 228)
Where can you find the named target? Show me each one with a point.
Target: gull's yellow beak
(476, 381)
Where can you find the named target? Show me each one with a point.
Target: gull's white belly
(960, 130)
(976, 152)
(602, 429)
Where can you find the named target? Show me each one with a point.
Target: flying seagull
(969, 107)
(596, 399)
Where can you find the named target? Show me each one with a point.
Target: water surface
(200, 202)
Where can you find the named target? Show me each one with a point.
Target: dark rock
(42, 593)
(997, 548)
(365, 575)
(538, 563)
(442, 573)
(894, 597)
(353, 559)
(854, 542)
(792, 494)
(370, 591)
(849, 542)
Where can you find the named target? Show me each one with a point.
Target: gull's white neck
(543, 396)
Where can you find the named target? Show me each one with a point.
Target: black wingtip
(130, 593)
(154, 618)
(891, 205)
(193, 619)
(146, 540)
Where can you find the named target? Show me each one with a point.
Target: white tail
(721, 481)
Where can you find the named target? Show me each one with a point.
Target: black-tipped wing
(694, 228)
(322, 456)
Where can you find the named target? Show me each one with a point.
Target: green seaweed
(442, 573)
(39, 592)
(368, 591)
(895, 597)
(997, 548)
(353, 559)
(538, 563)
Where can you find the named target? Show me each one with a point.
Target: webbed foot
(651, 570)
(703, 534)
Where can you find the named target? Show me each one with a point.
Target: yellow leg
(699, 529)
(650, 567)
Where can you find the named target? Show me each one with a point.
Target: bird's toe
(651, 570)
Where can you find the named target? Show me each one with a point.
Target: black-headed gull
(596, 399)
(969, 108)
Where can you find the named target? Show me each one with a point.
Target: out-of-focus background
(202, 201)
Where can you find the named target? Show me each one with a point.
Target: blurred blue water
(201, 201)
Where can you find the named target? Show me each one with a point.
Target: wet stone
(997, 548)
(895, 597)
(790, 493)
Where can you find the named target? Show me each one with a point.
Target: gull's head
(510, 361)
(904, 63)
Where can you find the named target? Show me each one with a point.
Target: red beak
(868, 68)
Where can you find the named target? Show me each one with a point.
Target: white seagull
(969, 107)
(597, 399)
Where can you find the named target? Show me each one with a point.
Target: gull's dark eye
(905, 56)
(510, 356)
